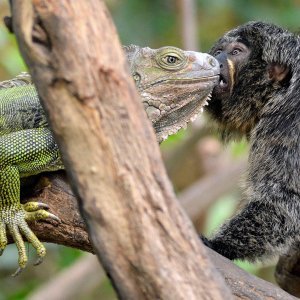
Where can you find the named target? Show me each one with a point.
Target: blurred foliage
(153, 23)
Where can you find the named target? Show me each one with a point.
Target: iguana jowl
(174, 86)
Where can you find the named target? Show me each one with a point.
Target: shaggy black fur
(262, 103)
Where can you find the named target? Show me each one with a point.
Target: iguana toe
(15, 219)
(40, 214)
(14, 229)
(34, 206)
(3, 238)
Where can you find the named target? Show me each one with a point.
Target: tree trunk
(142, 237)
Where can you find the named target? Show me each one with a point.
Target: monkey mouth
(223, 82)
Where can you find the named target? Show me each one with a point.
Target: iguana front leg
(22, 152)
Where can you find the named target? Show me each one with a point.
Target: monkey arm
(257, 231)
(268, 222)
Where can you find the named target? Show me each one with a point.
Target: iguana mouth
(181, 81)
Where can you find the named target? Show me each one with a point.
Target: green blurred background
(193, 157)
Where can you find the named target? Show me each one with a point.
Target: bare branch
(203, 192)
(79, 278)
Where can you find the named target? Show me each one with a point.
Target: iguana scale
(174, 86)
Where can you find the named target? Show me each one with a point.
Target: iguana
(174, 86)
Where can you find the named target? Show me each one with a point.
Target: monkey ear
(278, 72)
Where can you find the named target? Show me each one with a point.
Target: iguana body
(174, 86)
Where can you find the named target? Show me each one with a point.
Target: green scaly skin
(173, 91)
(27, 148)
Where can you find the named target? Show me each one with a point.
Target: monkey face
(248, 77)
(231, 56)
(235, 85)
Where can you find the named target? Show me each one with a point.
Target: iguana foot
(15, 220)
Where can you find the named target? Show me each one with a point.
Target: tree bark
(58, 195)
(287, 272)
(142, 237)
(61, 201)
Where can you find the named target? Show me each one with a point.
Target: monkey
(258, 96)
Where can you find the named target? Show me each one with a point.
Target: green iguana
(174, 86)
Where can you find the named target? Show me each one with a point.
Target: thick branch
(143, 239)
(61, 201)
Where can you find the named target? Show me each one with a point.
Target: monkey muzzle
(226, 80)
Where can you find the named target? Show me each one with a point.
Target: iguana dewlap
(174, 86)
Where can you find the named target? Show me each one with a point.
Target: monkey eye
(236, 51)
(217, 52)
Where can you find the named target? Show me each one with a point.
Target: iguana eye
(172, 59)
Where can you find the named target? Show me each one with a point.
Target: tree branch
(63, 203)
(142, 237)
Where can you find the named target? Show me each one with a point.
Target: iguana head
(174, 84)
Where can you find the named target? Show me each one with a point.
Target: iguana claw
(18, 271)
(15, 219)
(39, 261)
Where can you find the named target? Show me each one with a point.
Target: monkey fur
(259, 97)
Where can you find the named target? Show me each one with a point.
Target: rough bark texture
(142, 237)
(244, 285)
(288, 271)
(63, 203)
(58, 195)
